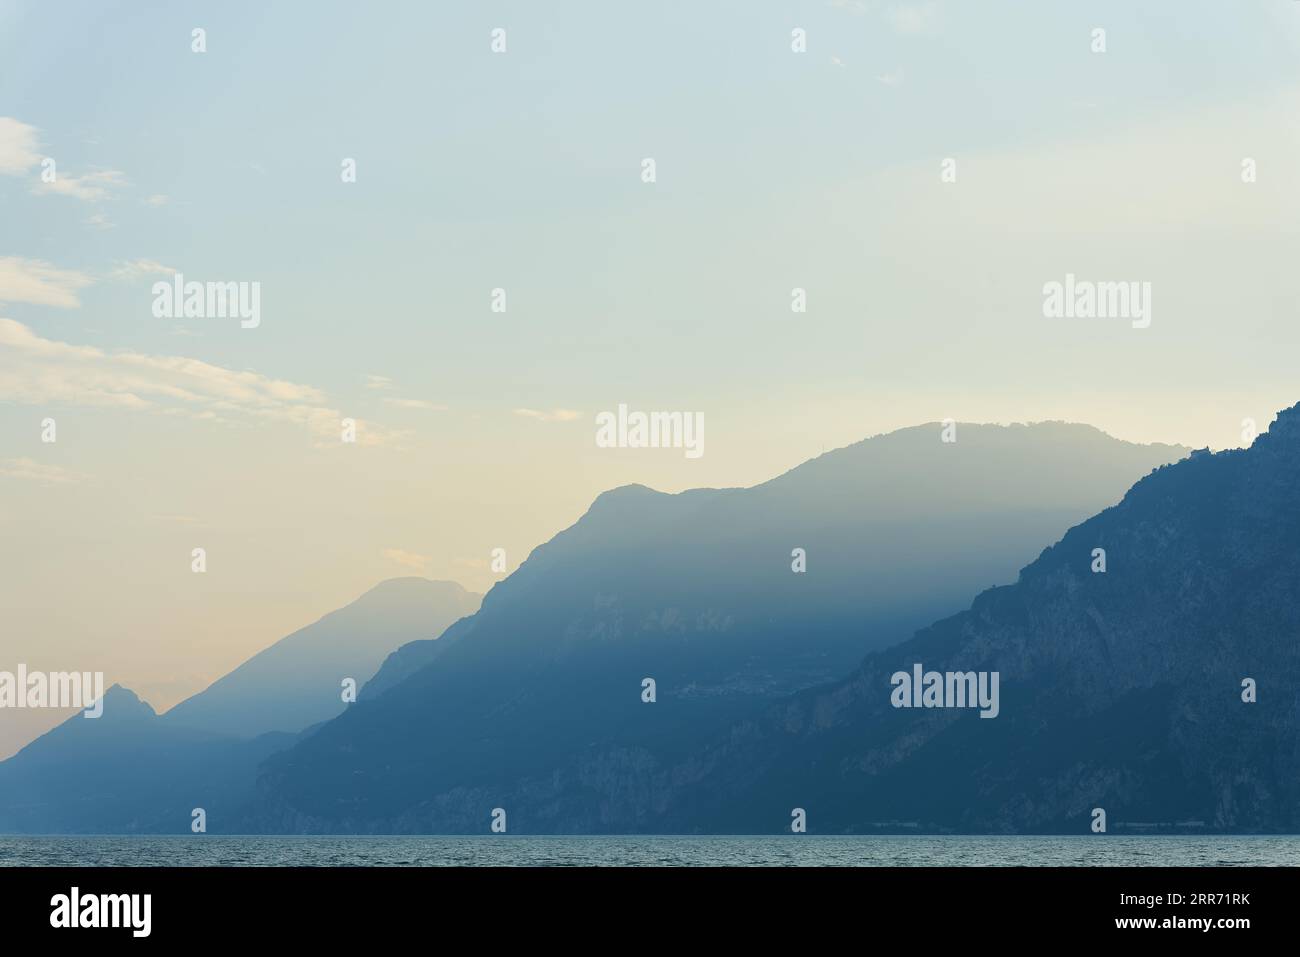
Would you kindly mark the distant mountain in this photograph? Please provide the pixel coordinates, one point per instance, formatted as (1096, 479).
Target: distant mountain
(132, 770)
(897, 529)
(128, 770)
(1120, 690)
(297, 681)
(696, 591)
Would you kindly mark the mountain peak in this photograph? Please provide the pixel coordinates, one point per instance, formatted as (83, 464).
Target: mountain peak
(294, 683)
(410, 585)
(1287, 424)
(124, 701)
(630, 492)
(1143, 625)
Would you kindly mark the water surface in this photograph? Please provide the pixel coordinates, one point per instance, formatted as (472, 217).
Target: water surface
(759, 851)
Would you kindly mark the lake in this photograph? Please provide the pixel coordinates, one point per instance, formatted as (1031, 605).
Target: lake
(731, 851)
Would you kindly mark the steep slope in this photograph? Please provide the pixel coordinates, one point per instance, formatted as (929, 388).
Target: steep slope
(296, 682)
(126, 771)
(132, 770)
(696, 591)
(1120, 690)
(898, 530)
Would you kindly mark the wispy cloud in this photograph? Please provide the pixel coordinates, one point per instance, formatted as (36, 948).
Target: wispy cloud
(414, 404)
(382, 383)
(157, 199)
(550, 415)
(411, 560)
(91, 187)
(40, 283)
(891, 79)
(39, 371)
(20, 154)
(19, 145)
(29, 470)
(136, 269)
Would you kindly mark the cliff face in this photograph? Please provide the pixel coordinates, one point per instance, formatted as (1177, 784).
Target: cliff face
(1121, 690)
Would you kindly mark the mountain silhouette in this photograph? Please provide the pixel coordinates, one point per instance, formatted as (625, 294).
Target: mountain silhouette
(134, 770)
(128, 770)
(697, 592)
(296, 682)
(1124, 690)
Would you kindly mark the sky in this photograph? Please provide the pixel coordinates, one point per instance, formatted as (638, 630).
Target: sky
(522, 170)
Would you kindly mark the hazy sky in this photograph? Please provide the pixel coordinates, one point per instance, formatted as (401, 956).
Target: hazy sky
(522, 170)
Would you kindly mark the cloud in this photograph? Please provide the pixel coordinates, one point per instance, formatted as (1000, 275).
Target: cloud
(99, 221)
(891, 79)
(18, 147)
(552, 415)
(32, 471)
(19, 154)
(40, 283)
(157, 199)
(136, 269)
(39, 371)
(414, 404)
(913, 17)
(384, 383)
(411, 560)
(92, 187)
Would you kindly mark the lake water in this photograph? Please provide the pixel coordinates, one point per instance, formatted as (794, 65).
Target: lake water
(783, 851)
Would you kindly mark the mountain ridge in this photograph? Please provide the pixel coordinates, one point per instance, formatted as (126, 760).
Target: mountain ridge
(296, 681)
(135, 770)
(1118, 689)
(698, 591)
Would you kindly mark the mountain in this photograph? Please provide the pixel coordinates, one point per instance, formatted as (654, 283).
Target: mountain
(297, 681)
(898, 529)
(696, 591)
(1122, 690)
(132, 770)
(128, 770)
